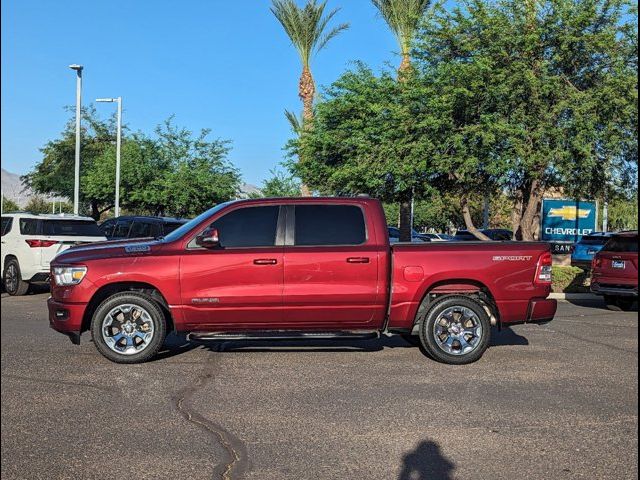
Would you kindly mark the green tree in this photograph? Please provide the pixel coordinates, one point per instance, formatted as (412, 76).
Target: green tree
(9, 205)
(280, 184)
(403, 18)
(53, 175)
(371, 135)
(175, 172)
(623, 213)
(38, 204)
(308, 29)
(199, 175)
(539, 94)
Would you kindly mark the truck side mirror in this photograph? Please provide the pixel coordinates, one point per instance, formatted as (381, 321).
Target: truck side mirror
(208, 239)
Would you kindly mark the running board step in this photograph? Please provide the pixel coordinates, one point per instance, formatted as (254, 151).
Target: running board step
(285, 335)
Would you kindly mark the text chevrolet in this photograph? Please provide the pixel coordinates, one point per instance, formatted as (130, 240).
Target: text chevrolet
(297, 268)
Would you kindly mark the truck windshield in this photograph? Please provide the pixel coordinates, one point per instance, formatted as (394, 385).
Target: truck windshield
(178, 233)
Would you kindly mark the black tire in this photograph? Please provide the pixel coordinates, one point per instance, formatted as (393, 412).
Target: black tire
(14, 286)
(433, 314)
(411, 339)
(619, 304)
(136, 299)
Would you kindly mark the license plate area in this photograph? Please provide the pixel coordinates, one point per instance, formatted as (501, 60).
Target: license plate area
(621, 264)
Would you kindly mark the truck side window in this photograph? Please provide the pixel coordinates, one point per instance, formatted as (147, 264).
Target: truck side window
(107, 227)
(248, 227)
(329, 225)
(141, 229)
(121, 229)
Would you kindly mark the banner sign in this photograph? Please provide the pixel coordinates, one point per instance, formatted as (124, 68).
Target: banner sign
(567, 220)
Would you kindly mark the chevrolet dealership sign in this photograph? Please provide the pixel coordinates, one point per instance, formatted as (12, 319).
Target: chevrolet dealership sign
(567, 220)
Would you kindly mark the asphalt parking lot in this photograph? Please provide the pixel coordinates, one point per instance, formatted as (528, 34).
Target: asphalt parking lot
(558, 401)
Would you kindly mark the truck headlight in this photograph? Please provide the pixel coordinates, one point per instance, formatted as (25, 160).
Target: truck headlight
(65, 276)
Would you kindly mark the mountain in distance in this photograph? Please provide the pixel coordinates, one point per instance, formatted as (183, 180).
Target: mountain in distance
(14, 189)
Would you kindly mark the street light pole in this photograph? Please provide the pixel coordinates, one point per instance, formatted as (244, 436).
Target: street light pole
(117, 100)
(76, 175)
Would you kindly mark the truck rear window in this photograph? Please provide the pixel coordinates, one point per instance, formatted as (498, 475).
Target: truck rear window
(622, 245)
(329, 225)
(70, 228)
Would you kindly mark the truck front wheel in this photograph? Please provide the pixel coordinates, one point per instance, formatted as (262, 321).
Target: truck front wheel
(128, 328)
(455, 330)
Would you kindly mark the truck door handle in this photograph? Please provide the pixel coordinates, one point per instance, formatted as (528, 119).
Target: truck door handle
(265, 261)
(358, 260)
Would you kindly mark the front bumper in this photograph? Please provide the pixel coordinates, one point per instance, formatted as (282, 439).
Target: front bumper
(66, 317)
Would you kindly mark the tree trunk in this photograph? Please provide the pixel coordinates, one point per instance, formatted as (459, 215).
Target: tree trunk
(95, 211)
(405, 219)
(307, 93)
(405, 66)
(468, 220)
(516, 214)
(530, 215)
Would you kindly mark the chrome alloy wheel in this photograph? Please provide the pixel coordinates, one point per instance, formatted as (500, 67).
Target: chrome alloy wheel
(457, 331)
(127, 329)
(11, 278)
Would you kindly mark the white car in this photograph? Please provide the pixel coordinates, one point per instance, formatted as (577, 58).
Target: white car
(30, 242)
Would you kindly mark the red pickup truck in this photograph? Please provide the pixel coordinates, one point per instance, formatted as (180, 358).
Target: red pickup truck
(311, 268)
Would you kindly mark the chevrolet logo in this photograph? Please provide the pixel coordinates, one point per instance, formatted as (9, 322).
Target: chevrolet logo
(569, 212)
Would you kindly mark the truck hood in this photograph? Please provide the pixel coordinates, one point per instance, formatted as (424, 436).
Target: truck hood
(109, 249)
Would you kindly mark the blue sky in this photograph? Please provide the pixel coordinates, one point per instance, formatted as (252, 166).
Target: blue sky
(224, 65)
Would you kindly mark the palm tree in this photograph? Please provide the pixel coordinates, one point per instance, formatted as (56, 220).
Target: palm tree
(403, 18)
(306, 28)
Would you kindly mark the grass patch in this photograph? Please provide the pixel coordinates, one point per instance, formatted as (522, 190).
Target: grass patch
(570, 280)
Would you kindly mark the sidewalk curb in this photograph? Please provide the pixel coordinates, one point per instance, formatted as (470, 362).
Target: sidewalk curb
(574, 296)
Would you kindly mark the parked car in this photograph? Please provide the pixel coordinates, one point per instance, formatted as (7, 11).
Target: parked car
(583, 252)
(139, 227)
(437, 237)
(497, 234)
(297, 268)
(30, 242)
(394, 236)
(615, 271)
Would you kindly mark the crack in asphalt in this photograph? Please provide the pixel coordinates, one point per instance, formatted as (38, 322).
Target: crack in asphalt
(232, 445)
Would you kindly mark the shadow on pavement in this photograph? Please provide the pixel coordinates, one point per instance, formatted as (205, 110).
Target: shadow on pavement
(178, 344)
(336, 345)
(426, 462)
(595, 303)
(506, 336)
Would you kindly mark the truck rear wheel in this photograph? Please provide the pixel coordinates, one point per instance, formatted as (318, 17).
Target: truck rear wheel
(128, 328)
(455, 330)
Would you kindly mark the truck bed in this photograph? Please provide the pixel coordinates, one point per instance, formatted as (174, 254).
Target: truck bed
(505, 271)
